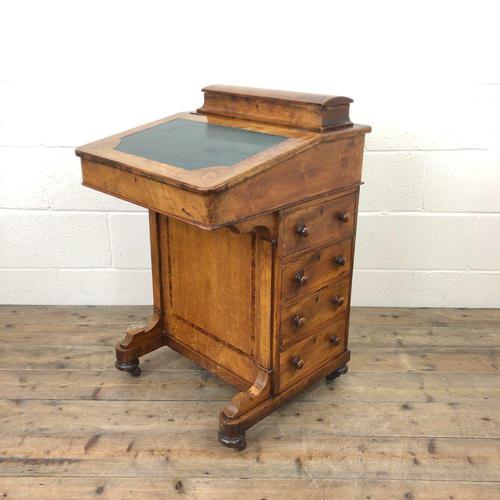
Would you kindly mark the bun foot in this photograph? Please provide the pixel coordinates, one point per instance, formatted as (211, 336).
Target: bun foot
(238, 442)
(132, 367)
(337, 373)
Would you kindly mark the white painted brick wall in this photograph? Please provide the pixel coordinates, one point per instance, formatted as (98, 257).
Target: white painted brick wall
(486, 243)
(105, 286)
(393, 181)
(414, 241)
(465, 181)
(130, 248)
(30, 286)
(45, 239)
(429, 227)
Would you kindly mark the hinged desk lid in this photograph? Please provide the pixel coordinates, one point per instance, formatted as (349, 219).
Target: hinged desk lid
(198, 152)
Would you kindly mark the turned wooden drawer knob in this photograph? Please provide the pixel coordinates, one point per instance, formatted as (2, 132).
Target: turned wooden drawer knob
(303, 231)
(334, 340)
(338, 300)
(297, 363)
(340, 260)
(299, 321)
(301, 278)
(343, 216)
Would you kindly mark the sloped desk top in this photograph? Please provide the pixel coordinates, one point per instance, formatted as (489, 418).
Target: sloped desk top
(154, 149)
(261, 147)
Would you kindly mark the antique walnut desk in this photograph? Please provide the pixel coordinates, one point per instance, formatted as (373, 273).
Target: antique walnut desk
(252, 210)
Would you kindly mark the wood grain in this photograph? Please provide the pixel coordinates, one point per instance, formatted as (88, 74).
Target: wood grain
(298, 418)
(312, 352)
(95, 334)
(318, 266)
(417, 416)
(221, 489)
(352, 457)
(293, 109)
(195, 385)
(390, 360)
(321, 219)
(204, 179)
(301, 177)
(222, 263)
(364, 316)
(317, 309)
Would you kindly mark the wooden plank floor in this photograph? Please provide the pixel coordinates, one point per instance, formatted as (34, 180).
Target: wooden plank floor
(417, 416)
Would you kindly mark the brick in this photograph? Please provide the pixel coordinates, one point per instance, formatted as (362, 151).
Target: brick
(482, 290)
(129, 234)
(429, 119)
(61, 112)
(436, 288)
(382, 288)
(407, 241)
(462, 181)
(47, 239)
(425, 289)
(106, 287)
(23, 178)
(458, 289)
(486, 243)
(393, 181)
(29, 286)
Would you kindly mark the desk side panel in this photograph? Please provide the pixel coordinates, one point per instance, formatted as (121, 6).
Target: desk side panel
(217, 300)
(325, 167)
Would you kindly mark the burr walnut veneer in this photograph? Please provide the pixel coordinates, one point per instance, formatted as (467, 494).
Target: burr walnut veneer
(252, 210)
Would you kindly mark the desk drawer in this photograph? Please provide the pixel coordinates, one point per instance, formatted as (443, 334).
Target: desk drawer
(308, 315)
(316, 268)
(318, 223)
(306, 356)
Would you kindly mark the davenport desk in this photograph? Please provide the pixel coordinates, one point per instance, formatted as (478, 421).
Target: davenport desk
(252, 210)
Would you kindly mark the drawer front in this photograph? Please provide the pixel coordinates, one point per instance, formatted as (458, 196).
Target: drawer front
(305, 357)
(318, 223)
(316, 268)
(305, 317)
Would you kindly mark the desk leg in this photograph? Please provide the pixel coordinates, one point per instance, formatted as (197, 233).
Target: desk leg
(234, 436)
(140, 341)
(136, 343)
(232, 426)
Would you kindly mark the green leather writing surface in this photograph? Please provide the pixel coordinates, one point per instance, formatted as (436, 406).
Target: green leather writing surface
(191, 144)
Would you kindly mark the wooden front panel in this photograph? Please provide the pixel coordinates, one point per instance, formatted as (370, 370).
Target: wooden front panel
(221, 357)
(149, 193)
(217, 286)
(316, 310)
(316, 268)
(318, 222)
(313, 352)
(212, 282)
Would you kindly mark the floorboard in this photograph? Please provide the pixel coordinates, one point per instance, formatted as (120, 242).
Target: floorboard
(417, 416)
